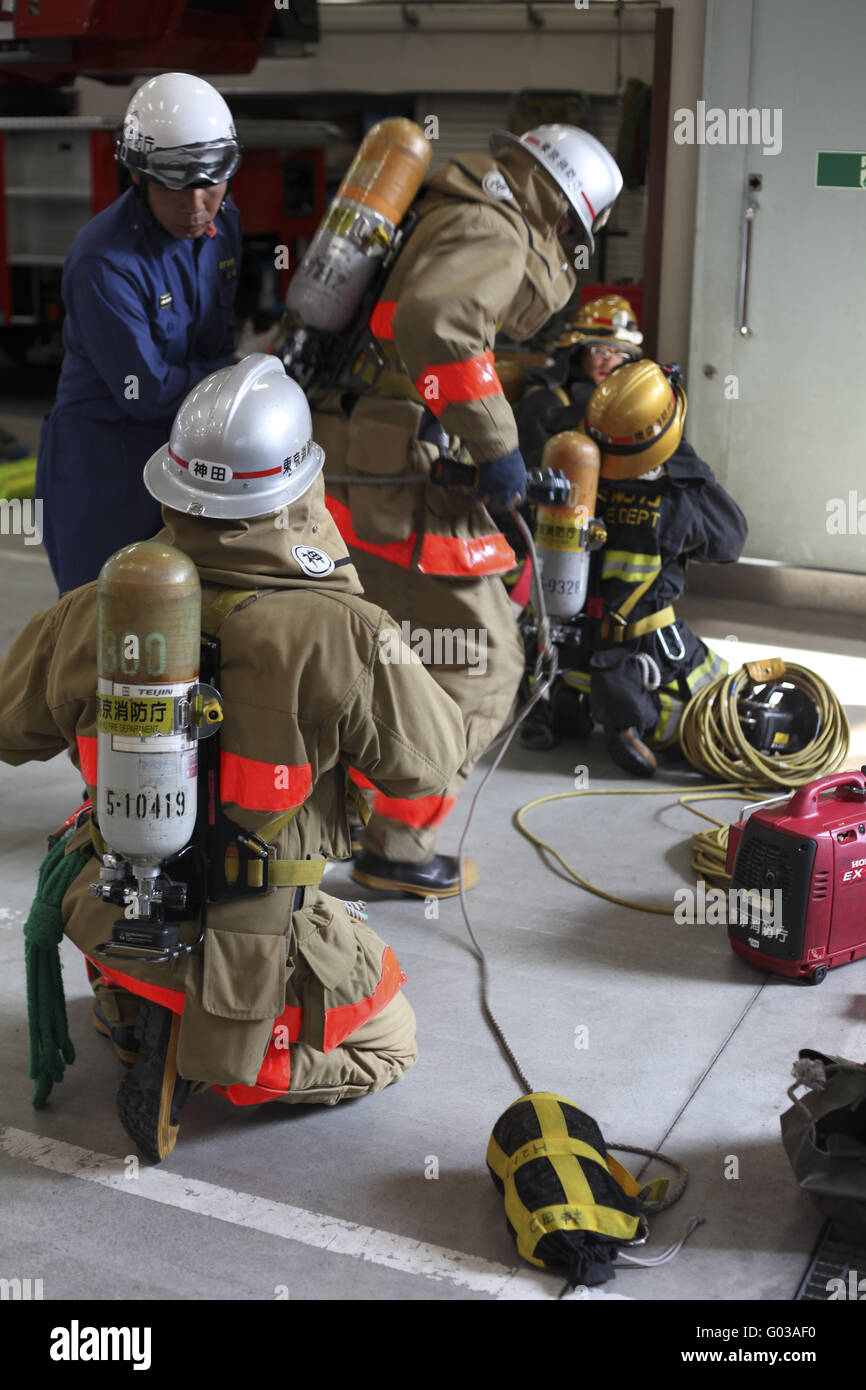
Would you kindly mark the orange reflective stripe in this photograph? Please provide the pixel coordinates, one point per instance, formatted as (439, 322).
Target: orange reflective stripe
(460, 555)
(275, 1073)
(521, 591)
(254, 785)
(382, 320)
(420, 812)
(398, 552)
(345, 1019)
(258, 786)
(469, 380)
(360, 780)
(158, 994)
(87, 745)
(239, 1094)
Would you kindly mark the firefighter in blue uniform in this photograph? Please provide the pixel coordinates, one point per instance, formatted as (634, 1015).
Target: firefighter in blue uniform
(661, 507)
(149, 287)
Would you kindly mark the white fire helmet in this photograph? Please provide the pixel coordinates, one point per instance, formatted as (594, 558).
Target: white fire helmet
(241, 444)
(179, 132)
(586, 172)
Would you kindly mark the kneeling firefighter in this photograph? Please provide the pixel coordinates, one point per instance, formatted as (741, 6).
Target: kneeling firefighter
(660, 506)
(277, 993)
(493, 243)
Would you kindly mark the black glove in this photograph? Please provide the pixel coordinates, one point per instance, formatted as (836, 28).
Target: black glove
(498, 483)
(502, 481)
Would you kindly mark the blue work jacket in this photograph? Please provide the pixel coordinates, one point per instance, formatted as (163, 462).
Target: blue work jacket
(148, 315)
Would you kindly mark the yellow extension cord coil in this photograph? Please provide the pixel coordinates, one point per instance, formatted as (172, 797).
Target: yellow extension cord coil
(711, 734)
(712, 738)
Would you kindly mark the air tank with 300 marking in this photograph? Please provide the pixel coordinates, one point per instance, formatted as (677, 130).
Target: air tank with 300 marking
(149, 619)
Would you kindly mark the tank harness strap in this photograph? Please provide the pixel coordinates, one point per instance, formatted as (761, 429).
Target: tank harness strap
(651, 623)
(215, 614)
(614, 624)
(96, 838)
(358, 800)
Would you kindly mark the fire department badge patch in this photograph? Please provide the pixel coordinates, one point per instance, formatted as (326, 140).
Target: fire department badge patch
(313, 561)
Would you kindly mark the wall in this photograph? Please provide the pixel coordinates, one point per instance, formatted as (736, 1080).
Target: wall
(681, 181)
(457, 50)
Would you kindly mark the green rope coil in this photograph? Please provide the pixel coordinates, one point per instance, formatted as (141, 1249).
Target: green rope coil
(50, 1044)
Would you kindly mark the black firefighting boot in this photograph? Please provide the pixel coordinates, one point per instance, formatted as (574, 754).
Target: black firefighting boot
(536, 731)
(630, 753)
(123, 1038)
(438, 877)
(152, 1094)
(356, 837)
(570, 715)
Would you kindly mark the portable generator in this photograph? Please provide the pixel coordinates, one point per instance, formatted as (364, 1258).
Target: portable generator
(811, 849)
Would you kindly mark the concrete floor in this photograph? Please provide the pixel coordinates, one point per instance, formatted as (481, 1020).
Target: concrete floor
(689, 1050)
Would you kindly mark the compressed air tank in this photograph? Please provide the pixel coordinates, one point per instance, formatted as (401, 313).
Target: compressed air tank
(562, 533)
(359, 225)
(149, 617)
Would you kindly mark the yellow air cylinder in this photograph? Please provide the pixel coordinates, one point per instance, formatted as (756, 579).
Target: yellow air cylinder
(562, 533)
(359, 225)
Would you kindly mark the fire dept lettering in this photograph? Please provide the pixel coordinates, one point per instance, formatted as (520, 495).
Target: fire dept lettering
(632, 509)
(134, 718)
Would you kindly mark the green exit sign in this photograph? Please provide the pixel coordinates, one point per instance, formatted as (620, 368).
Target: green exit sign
(840, 169)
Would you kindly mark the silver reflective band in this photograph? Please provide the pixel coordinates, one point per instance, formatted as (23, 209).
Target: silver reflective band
(185, 165)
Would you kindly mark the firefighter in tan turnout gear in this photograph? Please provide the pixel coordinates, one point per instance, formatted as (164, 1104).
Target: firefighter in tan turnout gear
(290, 998)
(494, 246)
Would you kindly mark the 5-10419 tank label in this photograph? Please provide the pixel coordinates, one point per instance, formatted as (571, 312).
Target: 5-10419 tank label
(147, 804)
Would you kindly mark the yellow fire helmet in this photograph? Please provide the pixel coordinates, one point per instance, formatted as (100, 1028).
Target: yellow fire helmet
(636, 417)
(604, 321)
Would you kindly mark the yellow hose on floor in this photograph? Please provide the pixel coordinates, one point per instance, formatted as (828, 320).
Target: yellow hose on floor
(710, 845)
(712, 738)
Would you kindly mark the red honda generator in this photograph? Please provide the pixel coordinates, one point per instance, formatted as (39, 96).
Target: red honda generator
(811, 849)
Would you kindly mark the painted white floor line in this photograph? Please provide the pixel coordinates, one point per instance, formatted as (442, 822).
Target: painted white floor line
(290, 1223)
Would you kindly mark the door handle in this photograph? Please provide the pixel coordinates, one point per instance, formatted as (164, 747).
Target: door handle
(745, 268)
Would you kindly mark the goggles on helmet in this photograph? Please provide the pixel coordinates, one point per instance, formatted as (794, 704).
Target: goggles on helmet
(188, 165)
(601, 218)
(604, 354)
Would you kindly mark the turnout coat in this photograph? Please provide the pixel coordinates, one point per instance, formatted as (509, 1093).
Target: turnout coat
(306, 696)
(482, 257)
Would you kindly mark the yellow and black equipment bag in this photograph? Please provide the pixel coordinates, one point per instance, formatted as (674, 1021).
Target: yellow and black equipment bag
(568, 1204)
